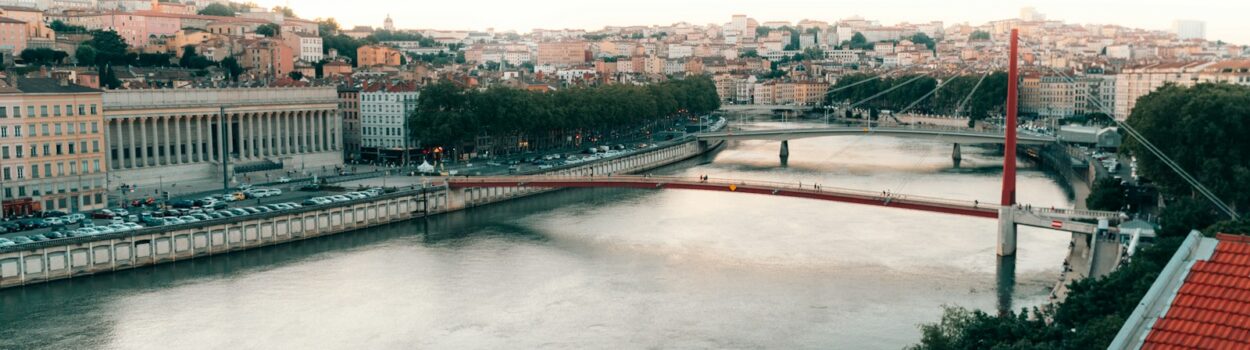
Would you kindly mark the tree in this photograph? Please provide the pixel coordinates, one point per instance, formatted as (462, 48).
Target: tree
(268, 30)
(1202, 129)
(922, 38)
(43, 56)
(217, 9)
(296, 75)
(1106, 194)
(108, 78)
(61, 27)
(327, 26)
(232, 67)
(85, 55)
(285, 11)
(154, 60)
(750, 53)
(192, 60)
(979, 35)
(109, 47)
(857, 42)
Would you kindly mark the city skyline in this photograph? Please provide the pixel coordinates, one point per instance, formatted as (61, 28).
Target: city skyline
(1220, 17)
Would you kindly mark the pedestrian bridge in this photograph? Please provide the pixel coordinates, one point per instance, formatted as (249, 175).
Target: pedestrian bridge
(1053, 218)
(955, 135)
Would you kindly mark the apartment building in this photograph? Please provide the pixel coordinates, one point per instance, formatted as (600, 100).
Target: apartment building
(377, 55)
(562, 53)
(349, 109)
(50, 146)
(384, 108)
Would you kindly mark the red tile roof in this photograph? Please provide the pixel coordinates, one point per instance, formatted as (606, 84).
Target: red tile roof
(1212, 308)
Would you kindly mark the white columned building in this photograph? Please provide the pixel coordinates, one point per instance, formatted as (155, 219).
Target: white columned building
(176, 135)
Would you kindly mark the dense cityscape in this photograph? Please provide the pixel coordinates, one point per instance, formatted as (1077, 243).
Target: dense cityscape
(167, 145)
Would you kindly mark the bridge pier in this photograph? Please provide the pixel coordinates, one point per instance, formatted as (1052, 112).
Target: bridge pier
(785, 152)
(957, 155)
(1007, 231)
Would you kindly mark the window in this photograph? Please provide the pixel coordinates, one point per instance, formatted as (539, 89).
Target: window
(30, 111)
(95, 146)
(69, 110)
(47, 149)
(6, 174)
(47, 171)
(60, 169)
(4, 152)
(56, 111)
(92, 109)
(33, 151)
(82, 109)
(34, 171)
(4, 112)
(17, 152)
(30, 130)
(95, 126)
(59, 151)
(4, 131)
(44, 126)
(82, 128)
(71, 148)
(56, 126)
(95, 164)
(17, 111)
(84, 166)
(43, 111)
(21, 172)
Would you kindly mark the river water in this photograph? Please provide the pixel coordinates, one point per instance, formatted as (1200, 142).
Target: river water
(596, 269)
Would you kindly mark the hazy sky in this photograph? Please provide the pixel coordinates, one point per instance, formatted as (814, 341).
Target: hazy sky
(1226, 19)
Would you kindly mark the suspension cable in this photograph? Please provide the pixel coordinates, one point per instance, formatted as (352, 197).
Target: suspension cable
(960, 107)
(1197, 185)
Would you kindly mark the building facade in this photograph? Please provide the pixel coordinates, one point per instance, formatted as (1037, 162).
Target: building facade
(377, 55)
(173, 135)
(383, 121)
(562, 53)
(51, 141)
(349, 109)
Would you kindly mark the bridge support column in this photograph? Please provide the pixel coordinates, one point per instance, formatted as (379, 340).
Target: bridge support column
(785, 152)
(957, 155)
(1007, 231)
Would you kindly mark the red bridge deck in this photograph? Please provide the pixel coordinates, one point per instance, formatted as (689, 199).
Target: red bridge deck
(891, 200)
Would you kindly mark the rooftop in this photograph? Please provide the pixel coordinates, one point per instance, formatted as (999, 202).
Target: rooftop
(48, 86)
(1201, 300)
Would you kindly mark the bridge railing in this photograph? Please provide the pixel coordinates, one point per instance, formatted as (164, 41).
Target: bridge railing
(770, 185)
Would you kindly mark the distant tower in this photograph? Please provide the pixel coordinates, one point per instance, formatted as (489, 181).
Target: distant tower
(1189, 29)
(389, 25)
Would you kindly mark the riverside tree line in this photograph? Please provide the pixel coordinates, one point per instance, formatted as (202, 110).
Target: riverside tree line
(449, 116)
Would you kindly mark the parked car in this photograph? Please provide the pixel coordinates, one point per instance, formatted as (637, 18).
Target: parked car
(54, 221)
(188, 219)
(133, 226)
(31, 224)
(122, 212)
(22, 240)
(37, 237)
(355, 195)
(284, 179)
(104, 214)
(11, 226)
(55, 235)
(339, 198)
(153, 221)
(74, 218)
(182, 204)
(54, 214)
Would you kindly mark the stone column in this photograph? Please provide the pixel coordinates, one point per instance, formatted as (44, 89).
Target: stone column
(227, 148)
(130, 136)
(283, 131)
(178, 139)
(254, 128)
(143, 141)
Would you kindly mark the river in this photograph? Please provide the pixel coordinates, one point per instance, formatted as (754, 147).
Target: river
(599, 269)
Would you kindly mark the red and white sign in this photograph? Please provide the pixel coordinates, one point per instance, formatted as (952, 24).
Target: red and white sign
(1056, 224)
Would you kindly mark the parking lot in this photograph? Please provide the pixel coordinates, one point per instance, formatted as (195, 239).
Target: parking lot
(194, 203)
